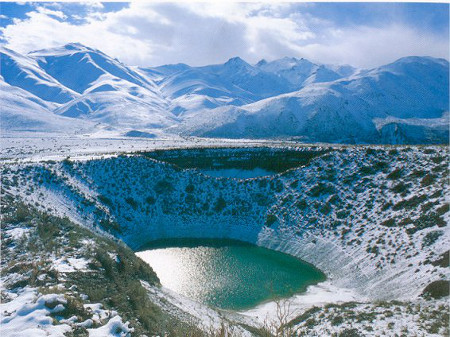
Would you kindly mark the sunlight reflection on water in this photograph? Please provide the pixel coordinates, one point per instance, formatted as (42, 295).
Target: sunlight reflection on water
(230, 277)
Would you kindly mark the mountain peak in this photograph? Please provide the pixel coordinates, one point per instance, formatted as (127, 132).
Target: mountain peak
(76, 46)
(261, 63)
(69, 48)
(420, 59)
(287, 58)
(411, 64)
(408, 59)
(236, 62)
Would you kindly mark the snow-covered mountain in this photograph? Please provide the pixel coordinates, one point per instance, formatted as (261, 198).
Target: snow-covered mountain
(110, 92)
(25, 72)
(79, 82)
(403, 102)
(233, 83)
(22, 111)
(299, 72)
(236, 82)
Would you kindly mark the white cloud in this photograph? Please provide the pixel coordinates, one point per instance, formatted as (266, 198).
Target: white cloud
(92, 4)
(369, 46)
(50, 12)
(204, 33)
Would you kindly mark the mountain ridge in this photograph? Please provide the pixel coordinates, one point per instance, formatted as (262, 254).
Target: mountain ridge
(405, 101)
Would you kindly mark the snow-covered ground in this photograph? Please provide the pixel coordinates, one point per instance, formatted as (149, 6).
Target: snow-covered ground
(374, 219)
(37, 147)
(28, 314)
(37, 298)
(317, 295)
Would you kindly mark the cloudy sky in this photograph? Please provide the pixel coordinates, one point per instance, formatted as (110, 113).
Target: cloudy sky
(150, 34)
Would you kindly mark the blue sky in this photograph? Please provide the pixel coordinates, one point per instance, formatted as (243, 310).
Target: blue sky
(148, 34)
(426, 16)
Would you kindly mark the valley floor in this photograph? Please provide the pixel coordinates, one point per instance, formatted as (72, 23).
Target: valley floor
(37, 147)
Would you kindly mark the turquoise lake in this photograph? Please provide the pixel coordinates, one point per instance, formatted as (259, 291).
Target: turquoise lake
(228, 274)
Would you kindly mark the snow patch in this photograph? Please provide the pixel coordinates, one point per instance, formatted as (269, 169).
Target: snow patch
(114, 328)
(317, 295)
(70, 264)
(28, 315)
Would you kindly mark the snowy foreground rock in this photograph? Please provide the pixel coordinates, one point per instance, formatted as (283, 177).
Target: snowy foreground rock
(373, 219)
(78, 90)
